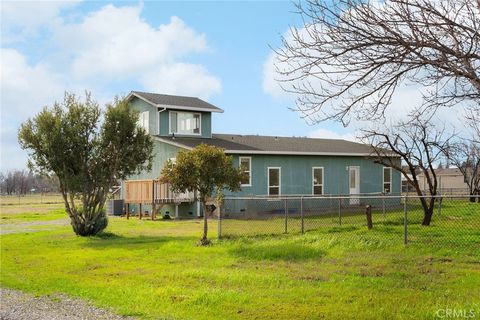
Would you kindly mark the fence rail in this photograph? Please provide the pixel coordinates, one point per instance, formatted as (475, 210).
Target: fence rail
(455, 218)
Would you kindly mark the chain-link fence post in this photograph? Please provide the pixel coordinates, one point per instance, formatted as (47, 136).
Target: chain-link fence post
(286, 215)
(340, 211)
(439, 199)
(383, 203)
(301, 215)
(405, 222)
(219, 221)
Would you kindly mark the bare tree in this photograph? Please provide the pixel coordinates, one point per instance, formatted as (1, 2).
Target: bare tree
(351, 56)
(465, 155)
(10, 183)
(22, 181)
(420, 146)
(2, 183)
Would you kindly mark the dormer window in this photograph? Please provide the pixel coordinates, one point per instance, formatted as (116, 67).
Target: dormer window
(187, 123)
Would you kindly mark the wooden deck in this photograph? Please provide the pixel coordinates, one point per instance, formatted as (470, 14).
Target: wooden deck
(152, 191)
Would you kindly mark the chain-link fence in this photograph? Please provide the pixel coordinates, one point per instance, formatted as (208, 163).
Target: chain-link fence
(454, 219)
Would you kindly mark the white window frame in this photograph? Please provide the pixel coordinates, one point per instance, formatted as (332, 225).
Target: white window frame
(279, 181)
(144, 120)
(184, 134)
(383, 180)
(249, 170)
(322, 184)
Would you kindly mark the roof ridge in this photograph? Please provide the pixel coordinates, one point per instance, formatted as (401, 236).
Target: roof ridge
(285, 137)
(166, 94)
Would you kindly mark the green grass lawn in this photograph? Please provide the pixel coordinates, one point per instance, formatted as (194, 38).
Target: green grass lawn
(155, 270)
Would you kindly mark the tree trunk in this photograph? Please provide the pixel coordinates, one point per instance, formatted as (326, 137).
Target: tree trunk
(91, 220)
(204, 241)
(427, 217)
(427, 210)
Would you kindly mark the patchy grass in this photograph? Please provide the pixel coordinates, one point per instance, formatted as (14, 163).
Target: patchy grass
(17, 217)
(155, 270)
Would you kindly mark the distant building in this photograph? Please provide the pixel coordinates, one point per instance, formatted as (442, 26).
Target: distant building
(450, 180)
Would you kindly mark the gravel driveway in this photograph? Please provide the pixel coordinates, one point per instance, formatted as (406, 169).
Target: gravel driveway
(16, 305)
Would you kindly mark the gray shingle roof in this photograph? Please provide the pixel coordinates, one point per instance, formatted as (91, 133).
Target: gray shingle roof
(178, 102)
(254, 144)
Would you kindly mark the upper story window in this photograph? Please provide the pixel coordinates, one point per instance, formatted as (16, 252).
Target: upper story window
(246, 167)
(185, 122)
(387, 180)
(317, 180)
(143, 120)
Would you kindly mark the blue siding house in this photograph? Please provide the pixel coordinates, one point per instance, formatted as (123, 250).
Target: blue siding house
(275, 165)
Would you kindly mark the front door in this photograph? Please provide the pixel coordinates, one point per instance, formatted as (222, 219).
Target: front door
(354, 184)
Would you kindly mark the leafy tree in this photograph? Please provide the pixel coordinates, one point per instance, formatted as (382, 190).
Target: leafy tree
(87, 156)
(205, 169)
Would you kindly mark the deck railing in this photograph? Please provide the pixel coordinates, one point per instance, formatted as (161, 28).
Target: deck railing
(164, 194)
(153, 191)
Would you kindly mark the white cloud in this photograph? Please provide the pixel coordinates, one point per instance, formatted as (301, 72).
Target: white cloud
(21, 19)
(270, 84)
(329, 134)
(182, 79)
(115, 42)
(26, 88)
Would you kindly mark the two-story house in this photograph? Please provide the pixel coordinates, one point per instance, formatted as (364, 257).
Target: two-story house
(274, 165)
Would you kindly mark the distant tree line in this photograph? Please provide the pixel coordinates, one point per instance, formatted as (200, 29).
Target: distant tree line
(21, 182)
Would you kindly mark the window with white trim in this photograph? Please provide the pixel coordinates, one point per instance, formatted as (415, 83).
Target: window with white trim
(387, 180)
(185, 122)
(317, 180)
(245, 164)
(143, 120)
(274, 181)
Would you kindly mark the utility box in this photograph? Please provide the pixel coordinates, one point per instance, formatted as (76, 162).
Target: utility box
(115, 207)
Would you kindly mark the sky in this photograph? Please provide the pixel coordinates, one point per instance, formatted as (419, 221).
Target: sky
(218, 51)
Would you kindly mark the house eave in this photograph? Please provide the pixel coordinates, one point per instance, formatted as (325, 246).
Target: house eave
(299, 153)
(133, 94)
(173, 143)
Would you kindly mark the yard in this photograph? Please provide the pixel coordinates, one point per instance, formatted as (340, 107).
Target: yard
(154, 270)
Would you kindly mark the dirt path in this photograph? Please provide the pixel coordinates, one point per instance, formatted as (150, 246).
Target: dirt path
(16, 305)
